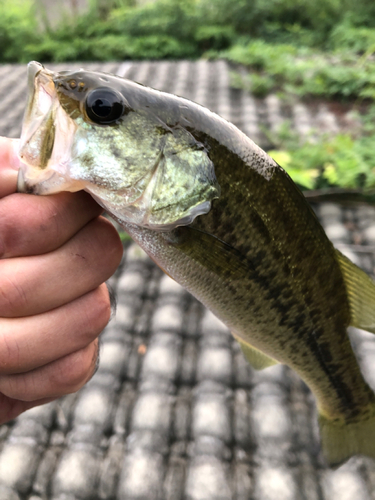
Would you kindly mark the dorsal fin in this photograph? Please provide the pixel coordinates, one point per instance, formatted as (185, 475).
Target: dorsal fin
(361, 294)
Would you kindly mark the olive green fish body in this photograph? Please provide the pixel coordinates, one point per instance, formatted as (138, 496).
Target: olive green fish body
(218, 215)
(270, 273)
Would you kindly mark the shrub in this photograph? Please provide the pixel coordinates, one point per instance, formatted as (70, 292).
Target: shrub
(188, 28)
(340, 161)
(18, 27)
(305, 72)
(171, 18)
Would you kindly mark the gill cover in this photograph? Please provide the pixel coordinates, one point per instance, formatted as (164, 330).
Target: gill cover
(180, 187)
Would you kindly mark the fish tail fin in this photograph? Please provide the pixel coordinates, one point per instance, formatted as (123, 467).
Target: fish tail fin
(341, 440)
(361, 294)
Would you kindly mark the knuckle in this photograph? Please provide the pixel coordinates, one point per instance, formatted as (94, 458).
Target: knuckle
(18, 216)
(103, 306)
(110, 245)
(91, 318)
(64, 206)
(98, 312)
(76, 369)
(8, 229)
(64, 376)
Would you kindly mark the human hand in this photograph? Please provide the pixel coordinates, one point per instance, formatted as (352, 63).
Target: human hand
(55, 253)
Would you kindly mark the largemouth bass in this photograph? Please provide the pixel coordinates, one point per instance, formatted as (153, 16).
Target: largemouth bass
(219, 216)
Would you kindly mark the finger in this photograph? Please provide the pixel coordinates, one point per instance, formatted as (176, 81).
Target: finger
(29, 343)
(31, 225)
(33, 285)
(64, 376)
(10, 408)
(9, 165)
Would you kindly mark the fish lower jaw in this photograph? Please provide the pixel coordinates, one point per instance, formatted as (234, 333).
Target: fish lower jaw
(53, 183)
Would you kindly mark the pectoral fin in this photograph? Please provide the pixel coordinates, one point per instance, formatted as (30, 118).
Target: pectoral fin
(361, 294)
(222, 259)
(257, 359)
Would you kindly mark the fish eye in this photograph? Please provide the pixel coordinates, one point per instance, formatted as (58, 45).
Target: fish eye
(104, 106)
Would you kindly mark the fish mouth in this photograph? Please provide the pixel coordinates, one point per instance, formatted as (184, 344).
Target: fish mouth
(41, 94)
(46, 135)
(22, 186)
(35, 130)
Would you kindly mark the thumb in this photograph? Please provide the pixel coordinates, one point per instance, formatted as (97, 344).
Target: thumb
(9, 165)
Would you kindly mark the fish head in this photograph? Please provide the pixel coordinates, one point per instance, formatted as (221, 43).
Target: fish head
(125, 144)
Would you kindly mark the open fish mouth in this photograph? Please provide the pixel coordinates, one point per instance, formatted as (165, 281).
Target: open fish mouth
(21, 184)
(41, 95)
(46, 135)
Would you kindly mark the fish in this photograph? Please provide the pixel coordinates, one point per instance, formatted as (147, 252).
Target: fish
(220, 217)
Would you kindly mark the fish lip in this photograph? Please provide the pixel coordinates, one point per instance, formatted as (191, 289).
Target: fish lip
(21, 184)
(33, 68)
(24, 185)
(41, 95)
(41, 104)
(38, 76)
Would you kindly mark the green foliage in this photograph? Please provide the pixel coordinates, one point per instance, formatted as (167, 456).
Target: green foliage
(305, 72)
(261, 33)
(163, 17)
(358, 39)
(124, 237)
(160, 30)
(258, 84)
(18, 27)
(214, 38)
(262, 18)
(305, 177)
(109, 47)
(340, 161)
